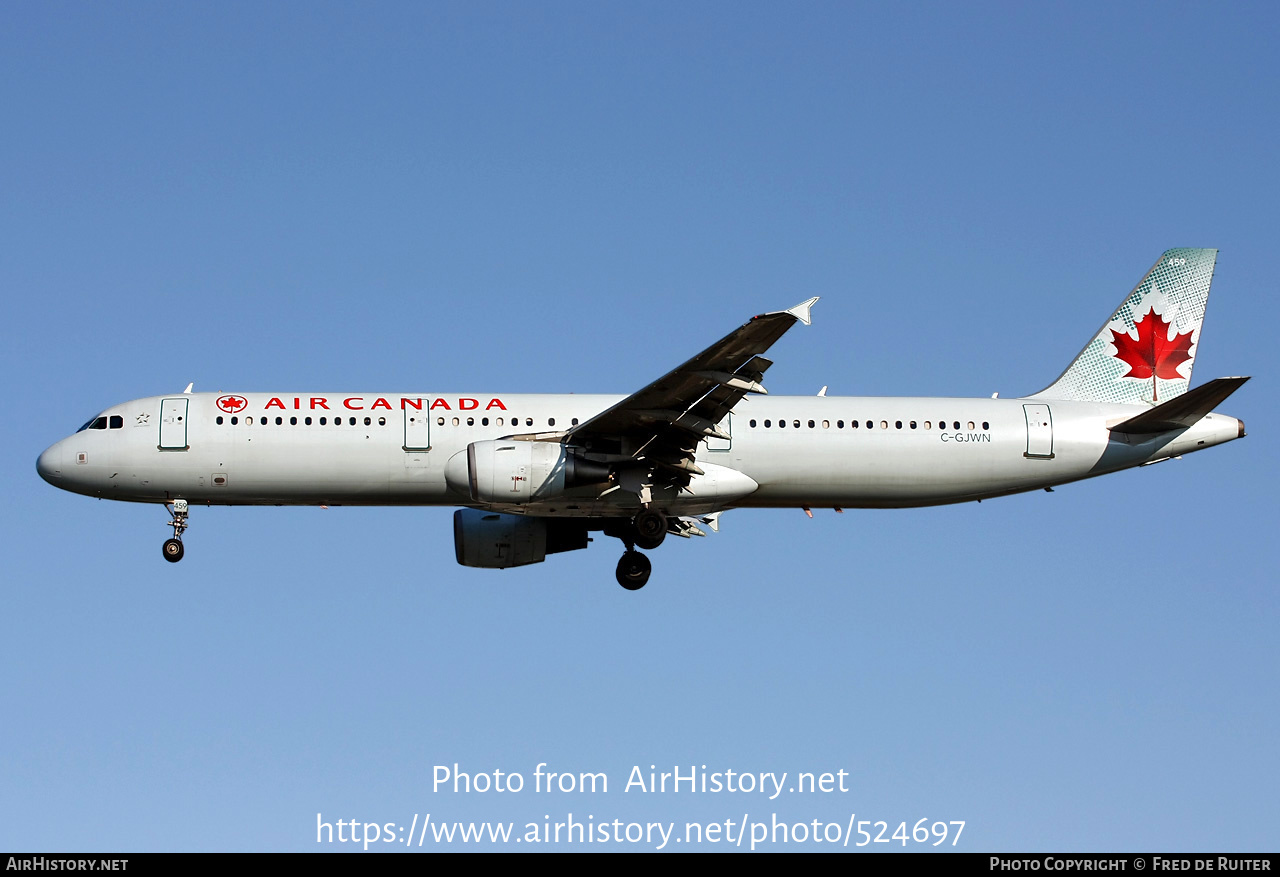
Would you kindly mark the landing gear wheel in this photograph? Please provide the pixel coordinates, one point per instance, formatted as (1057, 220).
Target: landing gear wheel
(173, 549)
(650, 527)
(633, 570)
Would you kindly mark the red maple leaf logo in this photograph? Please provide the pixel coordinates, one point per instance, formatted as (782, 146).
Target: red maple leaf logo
(231, 404)
(1153, 355)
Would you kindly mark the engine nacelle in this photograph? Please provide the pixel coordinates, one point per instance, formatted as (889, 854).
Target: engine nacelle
(519, 471)
(494, 541)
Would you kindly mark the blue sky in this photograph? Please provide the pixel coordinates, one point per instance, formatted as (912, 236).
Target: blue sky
(575, 197)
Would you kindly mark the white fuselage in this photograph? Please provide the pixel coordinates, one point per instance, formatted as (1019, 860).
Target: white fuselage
(393, 449)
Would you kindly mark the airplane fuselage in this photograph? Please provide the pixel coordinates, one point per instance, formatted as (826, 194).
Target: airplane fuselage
(393, 449)
(536, 473)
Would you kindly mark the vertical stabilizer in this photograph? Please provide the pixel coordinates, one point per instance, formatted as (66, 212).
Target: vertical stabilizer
(1146, 351)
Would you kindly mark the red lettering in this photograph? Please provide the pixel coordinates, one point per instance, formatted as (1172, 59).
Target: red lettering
(380, 403)
(416, 403)
(463, 406)
(495, 403)
(440, 403)
(274, 403)
(296, 403)
(346, 403)
(319, 402)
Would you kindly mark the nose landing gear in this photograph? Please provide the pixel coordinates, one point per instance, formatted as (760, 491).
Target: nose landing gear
(172, 548)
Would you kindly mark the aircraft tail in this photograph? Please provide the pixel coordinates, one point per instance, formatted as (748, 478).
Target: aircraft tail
(1146, 351)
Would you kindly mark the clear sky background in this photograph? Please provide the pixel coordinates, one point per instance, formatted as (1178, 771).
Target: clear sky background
(556, 197)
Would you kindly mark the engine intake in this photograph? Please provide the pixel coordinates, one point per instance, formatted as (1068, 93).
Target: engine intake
(519, 471)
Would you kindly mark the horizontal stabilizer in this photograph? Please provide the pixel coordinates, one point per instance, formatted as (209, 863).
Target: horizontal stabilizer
(1181, 412)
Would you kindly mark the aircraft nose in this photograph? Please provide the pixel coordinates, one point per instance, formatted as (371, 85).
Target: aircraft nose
(49, 464)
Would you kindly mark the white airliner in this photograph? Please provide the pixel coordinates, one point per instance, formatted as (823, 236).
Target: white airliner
(538, 473)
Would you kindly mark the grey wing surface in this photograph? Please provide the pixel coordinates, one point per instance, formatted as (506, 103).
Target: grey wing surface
(660, 426)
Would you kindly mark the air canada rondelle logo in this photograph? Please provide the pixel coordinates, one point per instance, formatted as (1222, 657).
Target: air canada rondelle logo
(232, 404)
(1154, 352)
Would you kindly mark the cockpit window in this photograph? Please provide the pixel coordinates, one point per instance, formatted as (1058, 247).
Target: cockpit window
(116, 421)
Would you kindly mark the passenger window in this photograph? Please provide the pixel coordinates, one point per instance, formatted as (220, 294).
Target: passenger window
(471, 421)
(913, 424)
(955, 425)
(811, 424)
(574, 422)
(826, 424)
(499, 421)
(782, 424)
(871, 424)
(970, 424)
(382, 421)
(235, 421)
(351, 421)
(368, 421)
(767, 424)
(439, 421)
(897, 424)
(484, 421)
(456, 422)
(307, 421)
(528, 421)
(219, 420)
(753, 424)
(928, 425)
(324, 421)
(264, 421)
(884, 424)
(279, 421)
(985, 426)
(293, 421)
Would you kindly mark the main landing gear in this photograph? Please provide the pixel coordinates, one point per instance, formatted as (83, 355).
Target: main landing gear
(646, 530)
(633, 570)
(173, 549)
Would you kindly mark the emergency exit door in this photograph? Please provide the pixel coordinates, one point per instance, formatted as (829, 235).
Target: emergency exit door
(417, 436)
(714, 443)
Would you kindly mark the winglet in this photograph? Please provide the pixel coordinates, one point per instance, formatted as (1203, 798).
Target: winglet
(801, 311)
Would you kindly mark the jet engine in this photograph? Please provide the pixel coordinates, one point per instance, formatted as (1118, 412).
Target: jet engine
(494, 541)
(519, 471)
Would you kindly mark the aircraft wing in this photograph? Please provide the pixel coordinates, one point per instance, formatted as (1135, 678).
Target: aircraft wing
(662, 424)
